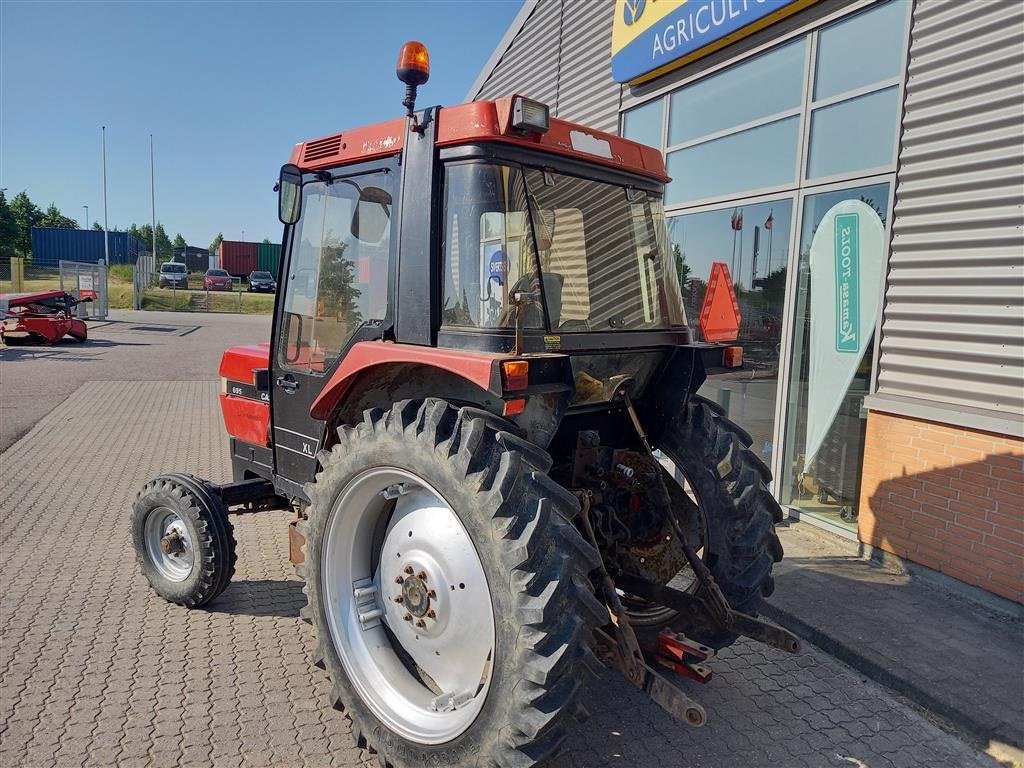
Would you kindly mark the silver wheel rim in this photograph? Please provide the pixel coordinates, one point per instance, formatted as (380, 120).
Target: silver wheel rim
(423, 664)
(165, 525)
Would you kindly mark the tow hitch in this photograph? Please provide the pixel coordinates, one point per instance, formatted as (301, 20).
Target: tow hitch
(740, 623)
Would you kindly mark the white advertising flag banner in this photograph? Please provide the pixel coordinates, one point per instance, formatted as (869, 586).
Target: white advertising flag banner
(846, 272)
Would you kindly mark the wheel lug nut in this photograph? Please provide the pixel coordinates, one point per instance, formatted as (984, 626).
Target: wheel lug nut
(408, 617)
(431, 614)
(432, 595)
(422, 575)
(421, 623)
(409, 570)
(399, 599)
(399, 580)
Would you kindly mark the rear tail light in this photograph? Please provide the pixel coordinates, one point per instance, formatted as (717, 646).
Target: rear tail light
(515, 374)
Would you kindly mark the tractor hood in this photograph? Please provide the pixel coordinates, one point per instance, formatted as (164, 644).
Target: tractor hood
(240, 363)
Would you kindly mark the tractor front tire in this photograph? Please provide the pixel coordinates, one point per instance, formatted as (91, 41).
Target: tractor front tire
(458, 495)
(183, 540)
(740, 513)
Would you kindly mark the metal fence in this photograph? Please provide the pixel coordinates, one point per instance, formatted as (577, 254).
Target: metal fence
(86, 281)
(195, 296)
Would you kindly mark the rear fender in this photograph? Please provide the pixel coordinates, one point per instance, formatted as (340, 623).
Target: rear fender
(376, 375)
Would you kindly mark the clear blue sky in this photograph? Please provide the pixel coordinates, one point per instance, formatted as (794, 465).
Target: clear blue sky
(225, 88)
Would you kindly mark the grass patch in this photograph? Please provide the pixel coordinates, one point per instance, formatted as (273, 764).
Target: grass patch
(251, 304)
(33, 285)
(120, 272)
(165, 300)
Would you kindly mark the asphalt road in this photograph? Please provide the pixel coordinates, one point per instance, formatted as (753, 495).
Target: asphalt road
(130, 346)
(96, 670)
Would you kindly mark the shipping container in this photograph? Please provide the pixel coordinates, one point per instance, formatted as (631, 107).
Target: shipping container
(51, 245)
(269, 257)
(196, 259)
(238, 258)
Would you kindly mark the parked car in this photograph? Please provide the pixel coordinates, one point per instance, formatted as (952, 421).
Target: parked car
(173, 274)
(217, 280)
(262, 282)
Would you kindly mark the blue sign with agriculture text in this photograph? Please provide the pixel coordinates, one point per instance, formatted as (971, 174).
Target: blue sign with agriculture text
(652, 36)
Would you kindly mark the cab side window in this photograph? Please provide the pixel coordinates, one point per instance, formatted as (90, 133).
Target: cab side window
(338, 268)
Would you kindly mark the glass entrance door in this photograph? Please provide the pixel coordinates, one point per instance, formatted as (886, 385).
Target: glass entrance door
(840, 265)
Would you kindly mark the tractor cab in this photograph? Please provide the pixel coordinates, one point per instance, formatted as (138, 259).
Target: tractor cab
(516, 259)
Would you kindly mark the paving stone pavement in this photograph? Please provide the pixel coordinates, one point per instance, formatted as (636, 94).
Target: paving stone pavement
(96, 670)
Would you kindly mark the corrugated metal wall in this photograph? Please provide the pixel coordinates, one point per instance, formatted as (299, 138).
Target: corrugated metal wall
(953, 328)
(562, 56)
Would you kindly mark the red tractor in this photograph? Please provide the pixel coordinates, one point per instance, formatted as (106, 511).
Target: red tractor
(480, 400)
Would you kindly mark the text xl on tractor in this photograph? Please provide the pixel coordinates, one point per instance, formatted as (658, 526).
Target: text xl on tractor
(479, 398)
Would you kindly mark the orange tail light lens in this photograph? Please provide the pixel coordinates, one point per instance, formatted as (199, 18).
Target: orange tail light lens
(413, 67)
(515, 374)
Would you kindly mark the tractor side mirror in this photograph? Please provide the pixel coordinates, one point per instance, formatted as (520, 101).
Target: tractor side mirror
(289, 194)
(372, 215)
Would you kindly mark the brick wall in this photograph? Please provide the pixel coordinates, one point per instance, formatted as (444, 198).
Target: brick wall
(946, 497)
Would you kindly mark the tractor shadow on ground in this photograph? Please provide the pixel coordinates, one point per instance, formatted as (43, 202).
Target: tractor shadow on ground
(67, 350)
(261, 597)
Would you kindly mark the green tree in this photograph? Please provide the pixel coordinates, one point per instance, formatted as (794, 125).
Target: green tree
(215, 245)
(54, 218)
(266, 241)
(682, 268)
(26, 215)
(163, 242)
(97, 227)
(774, 287)
(179, 241)
(145, 234)
(337, 287)
(8, 228)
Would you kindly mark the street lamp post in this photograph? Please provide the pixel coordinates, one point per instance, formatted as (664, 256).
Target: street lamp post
(106, 237)
(86, 216)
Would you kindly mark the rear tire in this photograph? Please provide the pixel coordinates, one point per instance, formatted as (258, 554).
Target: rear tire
(200, 539)
(536, 567)
(730, 483)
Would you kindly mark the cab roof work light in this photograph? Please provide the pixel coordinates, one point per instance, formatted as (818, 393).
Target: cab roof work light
(529, 115)
(413, 69)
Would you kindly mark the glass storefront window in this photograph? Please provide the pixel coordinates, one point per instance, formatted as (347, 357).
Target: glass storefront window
(754, 159)
(861, 50)
(854, 135)
(756, 255)
(643, 124)
(759, 88)
(830, 369)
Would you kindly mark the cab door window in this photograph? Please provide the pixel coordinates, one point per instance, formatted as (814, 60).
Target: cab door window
(338, 269)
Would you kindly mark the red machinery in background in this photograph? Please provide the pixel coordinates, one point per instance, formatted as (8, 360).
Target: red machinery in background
(45, 317)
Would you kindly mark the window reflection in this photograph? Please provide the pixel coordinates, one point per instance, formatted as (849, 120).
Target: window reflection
(760, 157)
(756, 254)
(854, 135)
(826, 484)
(764, 86)
(643, 124)
(865, 49)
